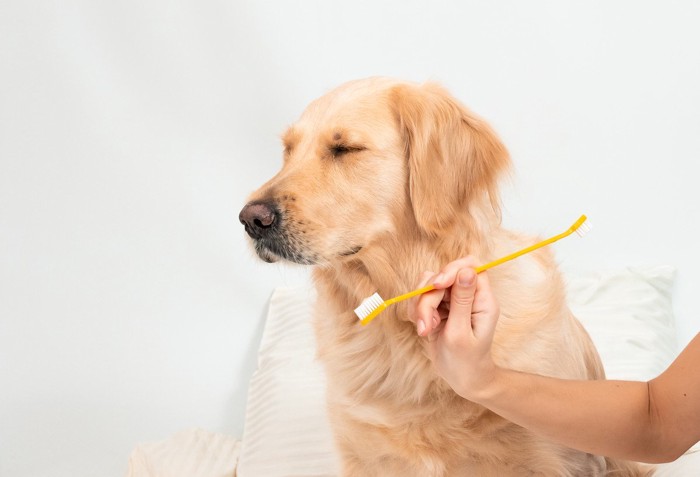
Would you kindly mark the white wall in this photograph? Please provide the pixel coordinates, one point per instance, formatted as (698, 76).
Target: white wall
(131, 133)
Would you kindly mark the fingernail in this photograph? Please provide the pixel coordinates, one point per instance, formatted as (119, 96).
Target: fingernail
(438, 280)
(466, 278)
(421, 327)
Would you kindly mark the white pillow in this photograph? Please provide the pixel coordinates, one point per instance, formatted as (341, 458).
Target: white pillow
(286, 426)
(628, 314)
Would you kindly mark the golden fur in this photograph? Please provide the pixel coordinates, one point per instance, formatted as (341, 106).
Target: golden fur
(383, 180)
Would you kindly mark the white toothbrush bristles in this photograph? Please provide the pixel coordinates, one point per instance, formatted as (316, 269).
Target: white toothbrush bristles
(584, 228)
(368, 305)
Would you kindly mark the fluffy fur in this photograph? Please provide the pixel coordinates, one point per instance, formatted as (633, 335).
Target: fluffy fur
(383, 180)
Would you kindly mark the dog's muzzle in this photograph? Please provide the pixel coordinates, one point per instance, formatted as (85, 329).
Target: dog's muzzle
(264, 223)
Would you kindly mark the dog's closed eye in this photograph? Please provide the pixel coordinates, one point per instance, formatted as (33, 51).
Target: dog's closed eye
(341, 149)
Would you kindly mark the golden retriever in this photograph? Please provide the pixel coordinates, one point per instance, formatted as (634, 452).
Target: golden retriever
(381, 181)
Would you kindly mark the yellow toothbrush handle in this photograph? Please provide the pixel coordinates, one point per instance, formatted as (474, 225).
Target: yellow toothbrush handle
(411, 294)
(496, 262)
(519, 253)
(541, 244)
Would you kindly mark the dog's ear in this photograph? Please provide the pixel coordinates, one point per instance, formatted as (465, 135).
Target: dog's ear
(454, 158)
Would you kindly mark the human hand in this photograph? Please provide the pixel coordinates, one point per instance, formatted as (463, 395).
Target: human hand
(458, 319)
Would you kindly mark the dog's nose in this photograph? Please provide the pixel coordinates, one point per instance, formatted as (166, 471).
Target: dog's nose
(259, 218)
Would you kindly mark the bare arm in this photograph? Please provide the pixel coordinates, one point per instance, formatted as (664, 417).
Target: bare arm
(652, 422)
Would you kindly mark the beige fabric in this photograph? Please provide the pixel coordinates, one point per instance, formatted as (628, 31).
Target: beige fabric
(286, 425)
(191, 453)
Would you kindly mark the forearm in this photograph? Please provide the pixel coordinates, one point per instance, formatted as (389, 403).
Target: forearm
(609, 418)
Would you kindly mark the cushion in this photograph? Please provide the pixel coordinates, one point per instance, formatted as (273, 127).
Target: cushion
(286, 425)
(190, 453)
(628, 314)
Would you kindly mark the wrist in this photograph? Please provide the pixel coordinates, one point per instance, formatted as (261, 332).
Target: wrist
(482, 390)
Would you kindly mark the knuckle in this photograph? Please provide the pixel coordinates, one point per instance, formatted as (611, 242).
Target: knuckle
(462, 299)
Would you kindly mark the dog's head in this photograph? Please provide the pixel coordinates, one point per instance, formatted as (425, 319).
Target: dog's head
(370, 158)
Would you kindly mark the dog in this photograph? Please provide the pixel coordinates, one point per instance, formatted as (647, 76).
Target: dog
(383, 180)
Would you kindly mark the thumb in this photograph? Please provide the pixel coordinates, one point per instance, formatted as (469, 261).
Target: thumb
(462, 302)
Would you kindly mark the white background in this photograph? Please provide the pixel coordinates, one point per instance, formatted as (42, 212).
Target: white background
(132, 131)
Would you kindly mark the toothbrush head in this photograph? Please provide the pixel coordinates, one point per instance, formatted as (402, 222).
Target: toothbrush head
(369, 308)
(582, 226)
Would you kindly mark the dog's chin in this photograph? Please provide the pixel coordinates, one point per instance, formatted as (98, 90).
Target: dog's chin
(274, 252)
(265, 255)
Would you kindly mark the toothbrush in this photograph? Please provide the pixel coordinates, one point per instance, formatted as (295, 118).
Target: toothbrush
(374, 305)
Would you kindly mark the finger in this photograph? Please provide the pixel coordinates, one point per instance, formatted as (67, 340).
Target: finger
(461, 303)
(426, 316)
(435, 333)
(448, 274)
(486, 310)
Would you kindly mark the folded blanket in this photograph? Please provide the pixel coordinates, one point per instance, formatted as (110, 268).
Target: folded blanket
(191, 453)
